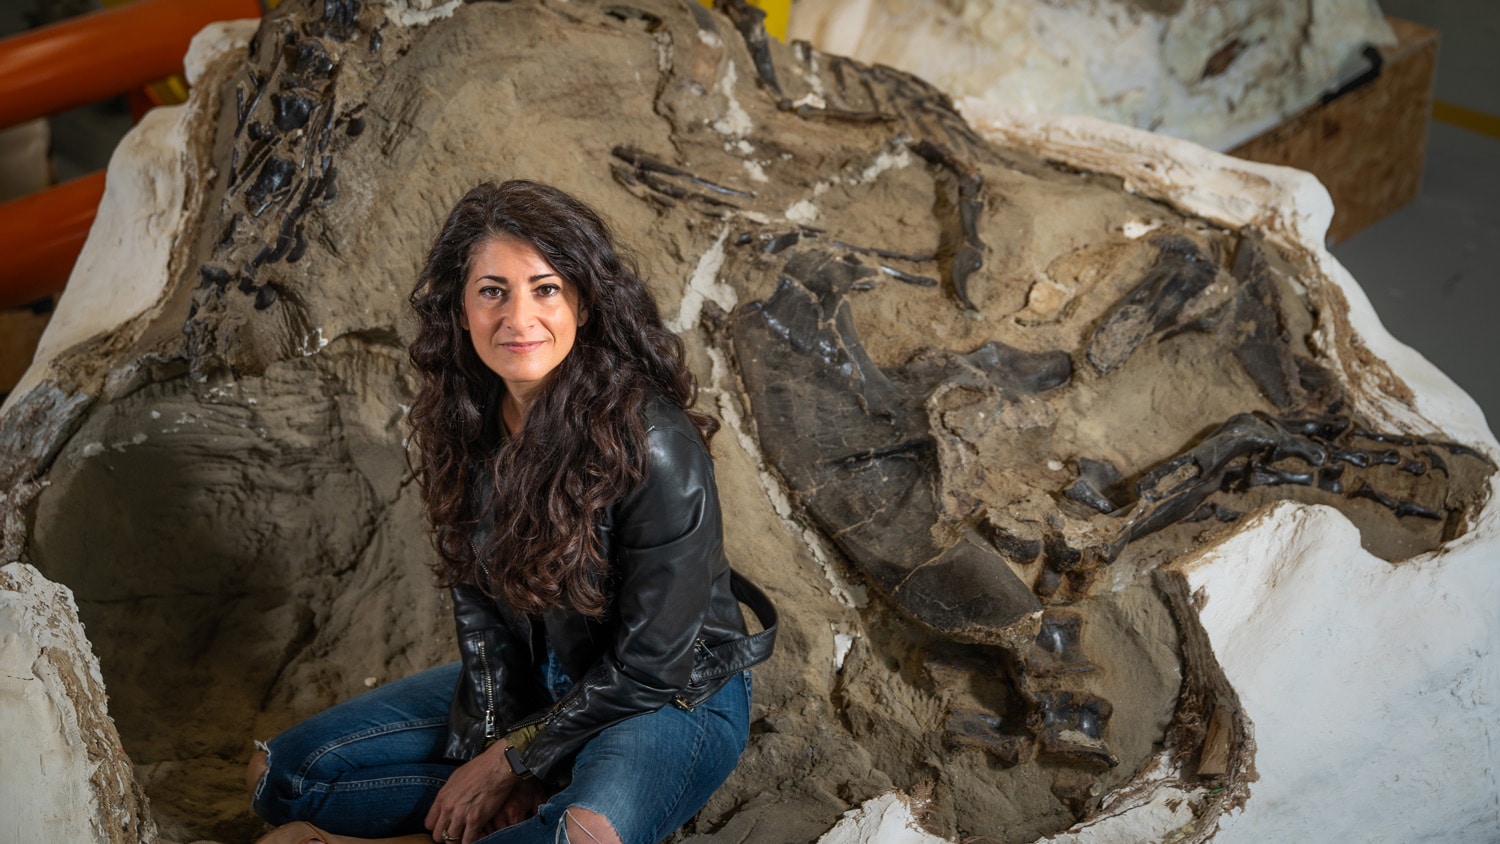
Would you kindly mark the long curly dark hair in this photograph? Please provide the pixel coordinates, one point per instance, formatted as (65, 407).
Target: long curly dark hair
(583, 445)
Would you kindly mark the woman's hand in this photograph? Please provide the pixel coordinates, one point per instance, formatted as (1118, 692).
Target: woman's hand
(522, 803)
(469, 806)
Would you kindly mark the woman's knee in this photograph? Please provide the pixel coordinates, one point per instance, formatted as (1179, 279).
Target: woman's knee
(255, 772)
(585, 826)
(273, 795)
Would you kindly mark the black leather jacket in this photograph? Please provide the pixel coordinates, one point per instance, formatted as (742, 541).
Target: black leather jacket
(672, 634)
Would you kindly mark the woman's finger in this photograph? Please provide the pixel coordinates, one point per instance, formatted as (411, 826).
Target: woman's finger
(435, 817)
(441, 821)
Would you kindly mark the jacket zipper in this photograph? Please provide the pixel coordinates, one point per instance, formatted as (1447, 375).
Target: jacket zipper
(490, 733)
(700, 647)
(489, 693)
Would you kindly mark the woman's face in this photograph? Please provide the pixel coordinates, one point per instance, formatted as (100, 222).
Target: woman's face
(522, 317)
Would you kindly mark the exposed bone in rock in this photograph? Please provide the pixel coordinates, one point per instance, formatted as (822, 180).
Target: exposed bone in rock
(1181, 275)
(1245, 452)
(1073, 728)
(1058, 648)
(856, 445)
(220, 475)
(1097, 485)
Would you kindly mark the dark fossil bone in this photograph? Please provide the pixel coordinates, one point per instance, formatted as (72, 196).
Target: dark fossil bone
(340, 19)
(1244, 453)
(1253, 328)
(282, 157)
(310, 59)
(667, 180)
(985, 731)
(1058, 648)
(1179, 293)
(751, 23)
(1073, 727)
(966, 252)
(273, 182)
(1400, 508)
(1179, 277)
(1096, 486)
(853, 444)
(938, 134)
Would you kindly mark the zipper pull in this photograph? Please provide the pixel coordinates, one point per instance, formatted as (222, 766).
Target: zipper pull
(489, 723)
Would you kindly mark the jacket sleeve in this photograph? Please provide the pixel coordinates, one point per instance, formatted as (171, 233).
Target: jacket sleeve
(667, 547)
(495, 688)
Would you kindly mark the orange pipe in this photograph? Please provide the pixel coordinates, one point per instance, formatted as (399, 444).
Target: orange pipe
(41, 236)
(86, 59)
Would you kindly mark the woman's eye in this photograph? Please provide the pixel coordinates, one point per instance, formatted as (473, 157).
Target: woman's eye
(548, 290)
(490, 292)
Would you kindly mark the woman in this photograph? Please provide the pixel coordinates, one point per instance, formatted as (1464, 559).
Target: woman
(576, 516)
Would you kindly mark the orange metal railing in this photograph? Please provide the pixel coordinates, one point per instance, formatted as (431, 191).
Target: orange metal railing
(87, 59)
(66, 65)
(41, 236)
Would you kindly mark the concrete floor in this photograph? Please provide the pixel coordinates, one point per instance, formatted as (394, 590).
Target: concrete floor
(1432, 269)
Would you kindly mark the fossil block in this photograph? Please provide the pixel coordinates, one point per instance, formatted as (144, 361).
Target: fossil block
(929, 470)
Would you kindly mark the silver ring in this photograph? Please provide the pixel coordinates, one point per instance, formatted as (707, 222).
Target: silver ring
(447, 837)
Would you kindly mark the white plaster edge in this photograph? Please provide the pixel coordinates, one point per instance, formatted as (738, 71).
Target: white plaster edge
(1154, 806)
(1372, 688)
(52, 692)
(213, 41)
(125, 265)
(703, 286)
(1229, 191)
(412, 13)
(735, 122)
(123, 268)
(889, 818)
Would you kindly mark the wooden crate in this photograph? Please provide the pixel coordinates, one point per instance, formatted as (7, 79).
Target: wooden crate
(1365, 146)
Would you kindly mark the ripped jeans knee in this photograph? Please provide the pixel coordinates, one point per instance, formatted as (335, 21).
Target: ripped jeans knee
(368, 767)
(591, 828)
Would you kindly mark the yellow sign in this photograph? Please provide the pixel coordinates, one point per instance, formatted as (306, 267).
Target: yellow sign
(777, 14)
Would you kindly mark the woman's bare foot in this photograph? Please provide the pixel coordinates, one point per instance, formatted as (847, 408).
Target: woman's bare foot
(296, 832)
(301, 832)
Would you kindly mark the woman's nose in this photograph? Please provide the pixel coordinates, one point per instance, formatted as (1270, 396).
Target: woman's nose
(519, 312)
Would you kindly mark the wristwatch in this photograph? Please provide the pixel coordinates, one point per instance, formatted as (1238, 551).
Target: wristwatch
(513, 756)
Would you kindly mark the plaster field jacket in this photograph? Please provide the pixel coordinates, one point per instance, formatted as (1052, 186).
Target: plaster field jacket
(672, 635)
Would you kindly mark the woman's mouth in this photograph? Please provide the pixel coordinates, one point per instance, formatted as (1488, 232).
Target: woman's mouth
(521, 348)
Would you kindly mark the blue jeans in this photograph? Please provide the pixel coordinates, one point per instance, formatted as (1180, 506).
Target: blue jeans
(371, 766)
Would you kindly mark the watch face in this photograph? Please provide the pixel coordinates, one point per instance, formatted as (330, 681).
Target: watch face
(517, 767)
